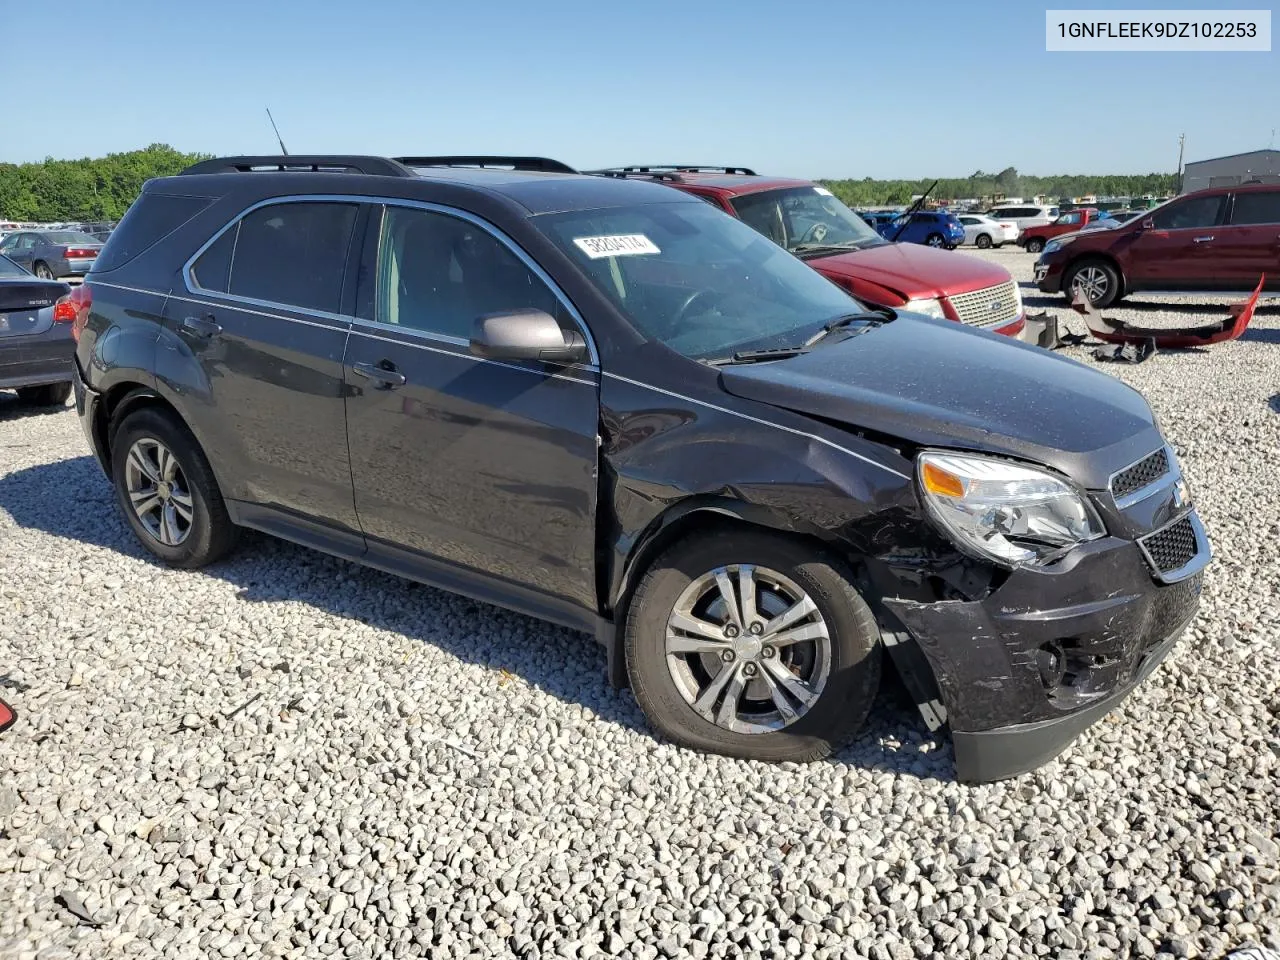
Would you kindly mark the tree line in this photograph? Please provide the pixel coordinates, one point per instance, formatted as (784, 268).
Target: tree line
(1006, 183)
(99, 188)
(102, 188)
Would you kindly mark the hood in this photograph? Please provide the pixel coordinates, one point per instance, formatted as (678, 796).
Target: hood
(938, 383)
(913, 270)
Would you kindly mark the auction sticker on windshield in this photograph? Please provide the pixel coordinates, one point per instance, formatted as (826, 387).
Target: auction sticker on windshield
(617, 245)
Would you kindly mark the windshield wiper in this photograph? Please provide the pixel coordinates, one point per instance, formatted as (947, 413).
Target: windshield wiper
(839, 323)
(755, 356)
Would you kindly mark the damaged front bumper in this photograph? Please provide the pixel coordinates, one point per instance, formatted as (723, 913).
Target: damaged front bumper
(1024, 671)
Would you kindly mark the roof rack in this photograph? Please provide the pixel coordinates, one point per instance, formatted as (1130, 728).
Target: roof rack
(675, 169)
(537, 164)
(374, 166)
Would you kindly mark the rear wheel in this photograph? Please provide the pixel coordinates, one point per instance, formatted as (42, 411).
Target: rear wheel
(983, 241)
(41, 270)
(1035, 245)
(750, 644)
(46, 395)
(1097, 279)
(167, 491)
(935, 240)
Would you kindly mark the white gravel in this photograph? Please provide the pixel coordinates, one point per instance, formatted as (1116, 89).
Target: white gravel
(288, 755)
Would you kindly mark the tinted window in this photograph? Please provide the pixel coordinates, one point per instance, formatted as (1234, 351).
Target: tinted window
(1257, 207)
(1068, 218)
(213, 268)
(152, 217)
(293, 254)
(1015, 212)
(1196, 212)
(438, 273)
(970, 221)
(69, 236)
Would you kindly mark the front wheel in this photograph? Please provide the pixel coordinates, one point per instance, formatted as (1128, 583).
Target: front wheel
(1035, 245)
(983, 241)
(750, 644)
(167, 492)
(935, 240)
(1097, 279)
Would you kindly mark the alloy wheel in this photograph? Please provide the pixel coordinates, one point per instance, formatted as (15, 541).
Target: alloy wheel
(748, 649)
(1093, 281)
(43, 272)
(158, 492)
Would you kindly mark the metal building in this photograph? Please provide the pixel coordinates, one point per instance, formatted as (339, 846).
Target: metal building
(1229, 171)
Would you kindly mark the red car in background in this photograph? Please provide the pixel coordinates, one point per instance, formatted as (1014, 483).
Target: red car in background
(1035, 238)
(810, 222)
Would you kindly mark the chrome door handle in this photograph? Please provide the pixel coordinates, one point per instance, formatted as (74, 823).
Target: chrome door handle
(204, 327)
(1202, 239)
(387, 378)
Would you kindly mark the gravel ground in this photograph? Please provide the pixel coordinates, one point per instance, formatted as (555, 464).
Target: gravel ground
(288, 755)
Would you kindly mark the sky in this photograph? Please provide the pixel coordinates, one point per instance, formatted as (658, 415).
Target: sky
(878, 89)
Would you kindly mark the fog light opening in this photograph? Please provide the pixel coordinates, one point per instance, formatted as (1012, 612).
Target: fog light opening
(1052, 664)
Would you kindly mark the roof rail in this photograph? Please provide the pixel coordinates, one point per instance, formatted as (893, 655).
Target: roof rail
(538, 164)
(338, 163)
(622, 174)
(683, 168)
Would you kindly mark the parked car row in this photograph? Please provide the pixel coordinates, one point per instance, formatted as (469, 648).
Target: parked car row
(552, 391)
(52, 254)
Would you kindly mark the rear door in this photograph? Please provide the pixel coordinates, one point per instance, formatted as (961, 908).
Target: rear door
(20, 248)
(1180, 249)
(1249, 247)
(465, 467)
(266, 316)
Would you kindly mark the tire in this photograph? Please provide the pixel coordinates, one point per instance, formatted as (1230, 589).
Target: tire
(667, 684)
(1034, 245)
(46, 395)
(983, 241)
(935, 240)
(1101, 278)
(204, 536)
(41, 270)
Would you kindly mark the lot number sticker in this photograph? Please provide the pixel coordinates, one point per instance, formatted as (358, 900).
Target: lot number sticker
(617, 245)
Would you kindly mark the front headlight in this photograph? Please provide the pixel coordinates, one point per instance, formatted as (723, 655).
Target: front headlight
(930, 308)
(1057, 243)
(1003, 511)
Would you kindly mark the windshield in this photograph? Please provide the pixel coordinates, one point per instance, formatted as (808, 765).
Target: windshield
(70, 236)
(805, 218)
(9, 269)
(696, 279)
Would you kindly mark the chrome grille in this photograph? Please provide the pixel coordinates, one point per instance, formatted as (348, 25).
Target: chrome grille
(1173, 547)
(1146, 471)
(987, 307)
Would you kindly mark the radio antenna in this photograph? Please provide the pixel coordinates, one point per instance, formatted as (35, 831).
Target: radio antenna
(283, 149)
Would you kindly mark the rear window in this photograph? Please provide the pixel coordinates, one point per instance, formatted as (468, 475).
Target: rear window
(152, 217)
(69, 236)
(1257, 207)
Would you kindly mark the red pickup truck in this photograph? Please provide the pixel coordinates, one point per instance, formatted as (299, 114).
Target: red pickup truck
(1034, 238)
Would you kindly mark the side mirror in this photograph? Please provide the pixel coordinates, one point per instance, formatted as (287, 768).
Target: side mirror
(1148, 223)
(526, 335)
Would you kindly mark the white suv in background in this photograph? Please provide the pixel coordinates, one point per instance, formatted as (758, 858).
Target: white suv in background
(983, 231)
(1024, 215)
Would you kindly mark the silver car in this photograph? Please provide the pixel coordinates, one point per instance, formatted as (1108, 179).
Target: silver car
(984, 232)
(52, 254)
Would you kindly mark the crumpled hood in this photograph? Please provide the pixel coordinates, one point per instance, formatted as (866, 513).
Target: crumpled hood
(913, 270)
(938, 383)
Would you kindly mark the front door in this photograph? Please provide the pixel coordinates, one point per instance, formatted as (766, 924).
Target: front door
(483, 467)
(264, 319)
(20, 248)
(1180, 249)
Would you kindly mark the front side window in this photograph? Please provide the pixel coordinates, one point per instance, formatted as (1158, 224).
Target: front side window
(1196, 212)
(291, 254)
(1068, 218)
(438, 273)
(1258, 206)
(705, 285)
(805, 218)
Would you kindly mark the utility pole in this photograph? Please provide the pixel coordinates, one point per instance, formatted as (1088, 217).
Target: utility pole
(1182, 138)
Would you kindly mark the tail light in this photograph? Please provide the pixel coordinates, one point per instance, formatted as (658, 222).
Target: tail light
(74, 309)
(79, 253)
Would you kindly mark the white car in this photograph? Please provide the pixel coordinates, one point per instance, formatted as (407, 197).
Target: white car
(1024, 215)
(984, 232)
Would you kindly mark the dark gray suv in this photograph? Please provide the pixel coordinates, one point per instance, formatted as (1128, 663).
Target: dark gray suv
(607, 404)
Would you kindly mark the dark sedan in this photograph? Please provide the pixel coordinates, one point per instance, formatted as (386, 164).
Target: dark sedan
(35, 336)
(52, 254)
